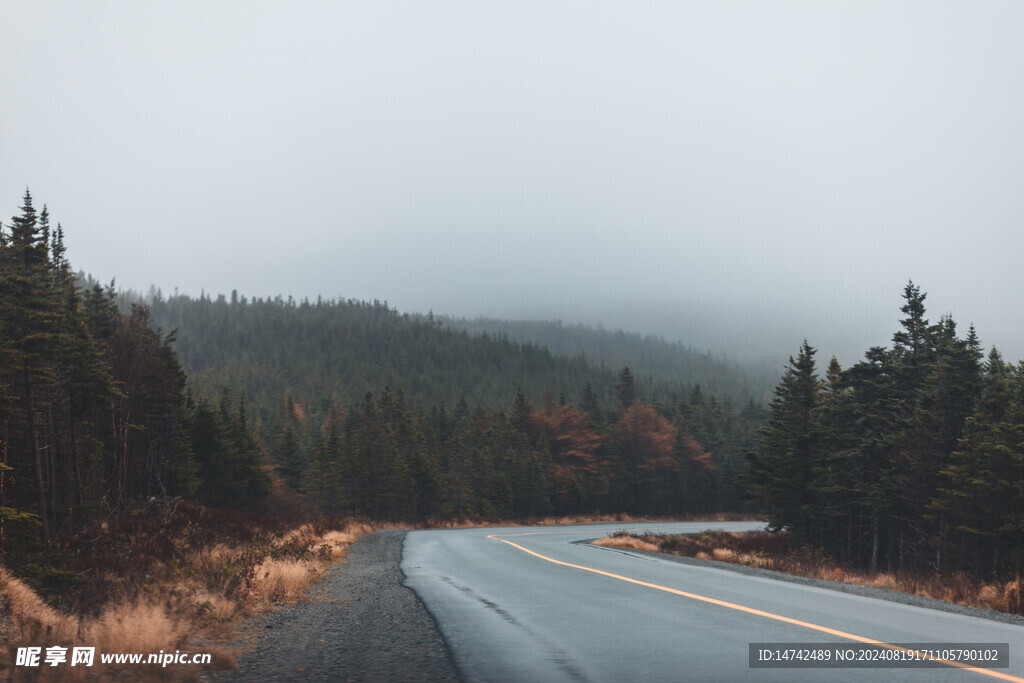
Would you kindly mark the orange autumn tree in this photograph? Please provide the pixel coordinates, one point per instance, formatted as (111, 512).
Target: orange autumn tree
(647, 440)
(662, 460)
(647, 446)
(579, 475)
(696, 468)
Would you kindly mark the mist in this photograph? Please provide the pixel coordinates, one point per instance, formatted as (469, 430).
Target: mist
(734, 175)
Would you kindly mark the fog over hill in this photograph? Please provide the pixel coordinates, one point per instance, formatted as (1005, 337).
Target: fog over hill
(757, 337)
(646, 355)
(735, 176)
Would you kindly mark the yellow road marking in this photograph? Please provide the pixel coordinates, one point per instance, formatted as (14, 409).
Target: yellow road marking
(762, 613)
(537, 533)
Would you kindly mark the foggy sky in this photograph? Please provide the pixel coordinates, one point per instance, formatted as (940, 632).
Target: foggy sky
(739, 175)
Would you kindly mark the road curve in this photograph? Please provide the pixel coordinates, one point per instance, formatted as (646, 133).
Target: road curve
(531, 604)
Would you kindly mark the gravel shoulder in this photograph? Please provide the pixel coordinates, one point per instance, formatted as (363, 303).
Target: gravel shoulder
(359, 623)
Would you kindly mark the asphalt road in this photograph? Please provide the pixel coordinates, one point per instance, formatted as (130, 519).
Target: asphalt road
(522, 613)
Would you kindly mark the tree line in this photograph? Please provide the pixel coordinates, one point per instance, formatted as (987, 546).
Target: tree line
(365, 373)
(94, 415)
(912, 458)
(330, 407)
(384, 458)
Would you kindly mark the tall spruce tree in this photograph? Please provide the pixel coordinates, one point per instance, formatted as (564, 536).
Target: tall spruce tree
(625, 390)
(782, 475)
(981, 494)
(29, 309)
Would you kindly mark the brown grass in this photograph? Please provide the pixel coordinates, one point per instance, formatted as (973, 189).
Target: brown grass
(627, 542)
(777, 552)
(338, 542)
(283, 580)
(214, 605)
(29, 618)
(189, 578)
(144, 627)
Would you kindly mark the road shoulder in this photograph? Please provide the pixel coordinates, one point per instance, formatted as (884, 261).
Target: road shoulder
(359, 623)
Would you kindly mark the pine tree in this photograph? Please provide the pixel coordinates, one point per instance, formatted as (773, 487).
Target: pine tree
(84, 378)
(914, 339)
(625, 390)
(782, 474)
(980, 496)
(945, 398)
(287, 458)
(590, 405)
(248, 474)
(29, 311)
(327, 473)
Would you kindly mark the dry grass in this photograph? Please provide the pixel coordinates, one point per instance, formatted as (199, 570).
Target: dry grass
(777, 552)
(214, 605)
(283, 580)
(338, 542)
(724, 555)
(191, 577)
(1013, 595)
(144, 627)
(626, 542)
(29, 618)
(882, 580)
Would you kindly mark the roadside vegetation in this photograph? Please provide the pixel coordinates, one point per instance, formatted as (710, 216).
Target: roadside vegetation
(782, 552)
(480, 522)
(911, 460)
(173, 576)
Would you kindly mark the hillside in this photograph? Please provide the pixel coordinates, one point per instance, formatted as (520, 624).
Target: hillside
(650, 357)
(339, 350)
(361, 409)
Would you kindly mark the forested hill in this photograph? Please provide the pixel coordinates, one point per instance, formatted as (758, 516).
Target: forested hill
(362, 410)
(332, 408)
(648, 356)
(337, 351)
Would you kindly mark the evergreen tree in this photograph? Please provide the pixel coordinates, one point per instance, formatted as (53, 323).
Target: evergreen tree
(29, 309)
(227, 456)
(589, 404)
(625, 390)
(866, 433)
(914, 339)
(287, 459)
(980, 497)
(783, 473)
(327, 474)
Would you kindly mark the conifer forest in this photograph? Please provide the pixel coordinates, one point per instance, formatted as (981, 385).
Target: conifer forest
(911, 458)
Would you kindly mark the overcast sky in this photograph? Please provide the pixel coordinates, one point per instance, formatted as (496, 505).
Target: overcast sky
(733, 173)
